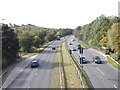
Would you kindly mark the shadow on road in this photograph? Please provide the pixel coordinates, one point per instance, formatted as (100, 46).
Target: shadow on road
(104, 62)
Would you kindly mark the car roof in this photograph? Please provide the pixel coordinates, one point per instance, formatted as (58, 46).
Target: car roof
(83, 57)
(34, 61)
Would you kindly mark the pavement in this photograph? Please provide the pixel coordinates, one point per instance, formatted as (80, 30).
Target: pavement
(23, 76)
(101, 75)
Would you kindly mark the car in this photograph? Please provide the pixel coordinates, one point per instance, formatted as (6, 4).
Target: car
(53, 48)
(70, 43)
(84, 59)
(74, 49)
(78, 47)
(34, 63)
(73, 39)
(97, 59)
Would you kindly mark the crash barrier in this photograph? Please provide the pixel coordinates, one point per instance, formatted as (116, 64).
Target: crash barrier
(86, 81)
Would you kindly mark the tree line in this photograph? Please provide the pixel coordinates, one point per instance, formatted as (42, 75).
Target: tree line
(26, 38)
(102, 32)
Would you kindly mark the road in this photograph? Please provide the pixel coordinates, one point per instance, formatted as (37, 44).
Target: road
(37, 77)
(101, 75)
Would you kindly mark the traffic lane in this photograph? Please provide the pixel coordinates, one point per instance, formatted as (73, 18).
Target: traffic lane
(44, 74)
(89, 55)
(27, 75)
(105, 68)
(43, 77)
(95, 74)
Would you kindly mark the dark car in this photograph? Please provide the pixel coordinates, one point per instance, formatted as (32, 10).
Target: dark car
(53, 48)
(74, 49)
(97, 59)
(34, 63)
(83, 60)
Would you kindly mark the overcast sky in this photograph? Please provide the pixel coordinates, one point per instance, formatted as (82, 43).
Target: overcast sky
(56, 13)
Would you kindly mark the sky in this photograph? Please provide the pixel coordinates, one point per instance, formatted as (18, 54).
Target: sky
(55, 13)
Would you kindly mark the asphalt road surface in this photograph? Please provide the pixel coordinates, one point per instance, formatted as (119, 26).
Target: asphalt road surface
(41, 76)
(101, 75)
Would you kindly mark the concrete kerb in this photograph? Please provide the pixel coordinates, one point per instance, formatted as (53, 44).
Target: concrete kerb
(17, 70)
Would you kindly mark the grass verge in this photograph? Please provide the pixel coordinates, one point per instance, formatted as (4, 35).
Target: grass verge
(57, 71)
(37, 51)
(113, 63)
(71, 77)
(63, 65)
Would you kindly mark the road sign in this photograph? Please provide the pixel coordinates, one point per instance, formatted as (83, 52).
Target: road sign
(81, 37)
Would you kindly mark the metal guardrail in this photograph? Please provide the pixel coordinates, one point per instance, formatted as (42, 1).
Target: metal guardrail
(87, 82)
(3, 74)
(113, 60)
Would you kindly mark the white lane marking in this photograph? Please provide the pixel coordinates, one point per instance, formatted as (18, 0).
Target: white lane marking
(21, 70)
(115, 86)
(100, 71)
(35, 74)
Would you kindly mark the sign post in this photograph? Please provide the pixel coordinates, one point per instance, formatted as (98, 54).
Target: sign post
(81, 59)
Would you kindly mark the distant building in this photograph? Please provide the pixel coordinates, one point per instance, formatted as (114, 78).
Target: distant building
(111, 17)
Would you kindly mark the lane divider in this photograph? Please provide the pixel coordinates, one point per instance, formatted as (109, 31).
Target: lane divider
(35, 74)
(115, 86)
(100, 71)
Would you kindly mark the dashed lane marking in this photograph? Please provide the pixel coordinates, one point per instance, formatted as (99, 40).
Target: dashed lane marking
(100, 71)
(35, 74)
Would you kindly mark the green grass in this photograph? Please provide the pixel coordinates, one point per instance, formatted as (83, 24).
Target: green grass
(29, 55)
(56, 71)
(113, 63)
(71, 77)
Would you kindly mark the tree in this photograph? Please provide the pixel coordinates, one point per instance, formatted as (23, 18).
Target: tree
(10, 44)
(51, 36)
(26, 41)
(37, 41)
(114, 36)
